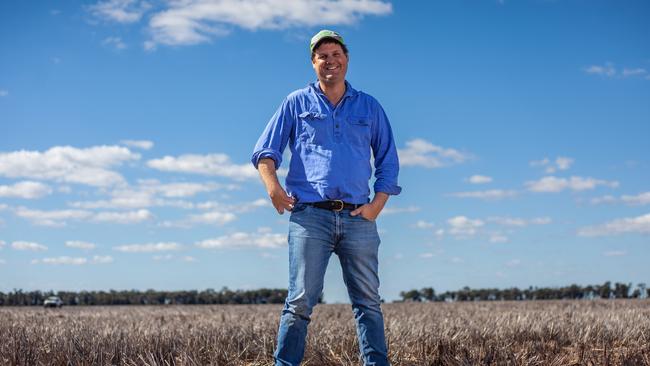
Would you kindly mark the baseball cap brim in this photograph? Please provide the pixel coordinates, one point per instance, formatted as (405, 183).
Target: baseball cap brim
(323, 35)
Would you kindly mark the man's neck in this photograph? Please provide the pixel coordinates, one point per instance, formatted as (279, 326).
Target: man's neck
(333, 92)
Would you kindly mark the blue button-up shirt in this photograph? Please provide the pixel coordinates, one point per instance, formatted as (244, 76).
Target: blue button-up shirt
(331, 146)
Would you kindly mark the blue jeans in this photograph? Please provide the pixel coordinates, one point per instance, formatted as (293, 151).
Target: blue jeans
(314, 234)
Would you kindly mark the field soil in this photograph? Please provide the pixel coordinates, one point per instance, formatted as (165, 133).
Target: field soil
(604, 332)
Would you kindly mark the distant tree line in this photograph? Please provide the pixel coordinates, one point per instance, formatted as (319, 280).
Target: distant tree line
(574, 292)
(149, 297)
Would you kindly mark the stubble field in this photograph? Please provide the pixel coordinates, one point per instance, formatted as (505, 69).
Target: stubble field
(613, 332)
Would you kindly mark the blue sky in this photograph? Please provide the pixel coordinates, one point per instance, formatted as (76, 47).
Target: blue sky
(126, 129)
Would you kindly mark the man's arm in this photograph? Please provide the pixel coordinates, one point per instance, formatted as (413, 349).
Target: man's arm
(281, 201)
(386, 167)
(267, 155)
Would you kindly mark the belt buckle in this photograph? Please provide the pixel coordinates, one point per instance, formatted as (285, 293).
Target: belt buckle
(341, 205)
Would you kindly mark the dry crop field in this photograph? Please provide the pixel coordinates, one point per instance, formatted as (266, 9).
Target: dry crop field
(613, 332)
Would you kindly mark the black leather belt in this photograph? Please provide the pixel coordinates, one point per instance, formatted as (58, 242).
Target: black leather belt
(334, 205)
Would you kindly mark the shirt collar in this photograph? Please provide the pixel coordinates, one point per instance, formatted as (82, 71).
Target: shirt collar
(349, 90)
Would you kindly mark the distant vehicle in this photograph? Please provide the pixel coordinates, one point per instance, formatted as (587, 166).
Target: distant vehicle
(53, 302)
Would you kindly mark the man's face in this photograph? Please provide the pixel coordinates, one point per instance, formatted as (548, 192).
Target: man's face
(330, 63)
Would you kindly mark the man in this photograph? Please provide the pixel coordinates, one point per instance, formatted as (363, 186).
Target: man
(331, 130)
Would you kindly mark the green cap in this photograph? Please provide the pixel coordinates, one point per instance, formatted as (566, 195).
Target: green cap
(322, 35)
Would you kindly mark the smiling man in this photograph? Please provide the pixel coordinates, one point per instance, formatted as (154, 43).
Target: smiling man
(332, 130)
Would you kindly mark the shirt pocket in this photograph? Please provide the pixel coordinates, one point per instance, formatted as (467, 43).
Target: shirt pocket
(359, 128)
(313, 127)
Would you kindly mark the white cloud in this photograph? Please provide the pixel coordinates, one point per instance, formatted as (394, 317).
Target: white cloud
(639, 224)
(427, 255)
(165, 257)
(60, 217)
(188, 258)
(560, 163)
(541, 221)
(102, 259)
(197, 21)
(603, 199)
(2, 261)
(421, 224)
(129, 217)
(543, 162)
(513, 263)
(519, 222)
(555, 184)
(509, 221)
(396, 210)
(640, 199)
(498, 238)
(175, 190)
(146, 195)
(489, 195)
(615, 253)
(479, 179)
(138, 144)
(75, 261)
(218, 214)
(212, 164)
(461, 226)
(51, 218)
(4, 93)
(27, 245)
(634, 72)
(245, 240)
(606, 70)
(149, 247)
(563, 163)
(121, 199)
(213, 217)
(68, 164)
(422, 153)
(2, 244)
(120, 11)
(206, 218)
(251, 206)
(457, 260)
(115, 42)
(80, 245)
(26, 190)
(63, 260)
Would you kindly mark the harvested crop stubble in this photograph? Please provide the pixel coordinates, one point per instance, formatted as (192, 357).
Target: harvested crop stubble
(613, 332)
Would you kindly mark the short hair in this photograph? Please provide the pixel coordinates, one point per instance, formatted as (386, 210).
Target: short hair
(326, 41)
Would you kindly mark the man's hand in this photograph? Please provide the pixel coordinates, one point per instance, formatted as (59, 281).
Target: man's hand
(281, 201)
(368, 211)
(371, 210)
(278, 196)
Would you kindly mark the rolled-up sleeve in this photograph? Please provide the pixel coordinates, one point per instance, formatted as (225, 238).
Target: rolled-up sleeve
(273, 140)
(385, 154)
